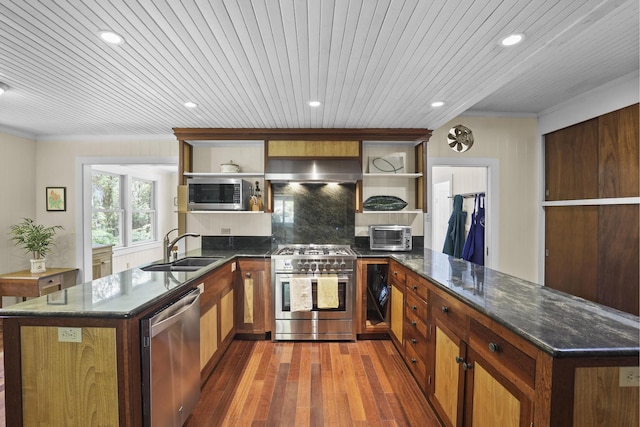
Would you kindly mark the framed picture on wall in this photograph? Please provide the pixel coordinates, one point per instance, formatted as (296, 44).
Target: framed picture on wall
(56, 198)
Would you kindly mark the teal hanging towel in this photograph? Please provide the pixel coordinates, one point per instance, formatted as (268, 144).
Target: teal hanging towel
(454, 240)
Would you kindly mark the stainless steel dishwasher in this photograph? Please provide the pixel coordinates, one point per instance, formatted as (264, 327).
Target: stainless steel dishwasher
(171, 362)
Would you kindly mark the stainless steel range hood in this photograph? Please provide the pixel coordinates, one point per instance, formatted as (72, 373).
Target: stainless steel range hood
(313, 170)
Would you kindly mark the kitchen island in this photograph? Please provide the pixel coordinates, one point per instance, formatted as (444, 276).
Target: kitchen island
(544, 347)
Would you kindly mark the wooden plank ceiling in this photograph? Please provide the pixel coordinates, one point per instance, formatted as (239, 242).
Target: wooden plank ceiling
(257, 63)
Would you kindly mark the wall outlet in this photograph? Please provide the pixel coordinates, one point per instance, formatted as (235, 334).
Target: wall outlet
(69, 334)
(629, 376)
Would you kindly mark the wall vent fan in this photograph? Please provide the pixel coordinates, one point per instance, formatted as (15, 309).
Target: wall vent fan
(460, 138)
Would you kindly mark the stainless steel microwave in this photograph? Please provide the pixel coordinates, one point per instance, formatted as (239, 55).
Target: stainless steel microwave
(390, 237)
(218, 194)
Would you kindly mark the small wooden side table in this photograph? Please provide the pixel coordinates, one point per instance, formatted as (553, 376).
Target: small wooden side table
(26, 284)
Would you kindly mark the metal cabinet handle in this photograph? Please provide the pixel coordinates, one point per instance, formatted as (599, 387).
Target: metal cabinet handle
(413, 323)
(415, 287)
(493, 347)
(414, 307)
(413, 360)
(459, 359)
(395, 273)
(413, 341)
(248, 274)
(445, 309)
(466, 366)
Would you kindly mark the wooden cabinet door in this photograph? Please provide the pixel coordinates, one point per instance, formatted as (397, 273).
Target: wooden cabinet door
(571, 162)
(208, 334)
(491, 400)
(397, 313)
(571, 250)
(226, 315)
(448, 378)
(252, 297)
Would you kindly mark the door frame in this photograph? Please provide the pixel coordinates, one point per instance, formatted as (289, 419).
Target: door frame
(492, 202)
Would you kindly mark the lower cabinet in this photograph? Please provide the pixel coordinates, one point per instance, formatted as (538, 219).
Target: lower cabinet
(397, 281)
(372, 314)
(480, 377)
(253, 296)
(217, 318)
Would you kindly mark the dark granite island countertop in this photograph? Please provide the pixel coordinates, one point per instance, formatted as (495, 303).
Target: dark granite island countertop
(120, 295)
(559, 324)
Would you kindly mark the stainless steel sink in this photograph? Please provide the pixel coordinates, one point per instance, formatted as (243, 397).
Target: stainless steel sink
(199, 261)
(183, 264)
(170, 267)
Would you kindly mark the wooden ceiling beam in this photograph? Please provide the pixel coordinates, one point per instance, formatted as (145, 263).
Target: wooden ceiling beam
(307, 134)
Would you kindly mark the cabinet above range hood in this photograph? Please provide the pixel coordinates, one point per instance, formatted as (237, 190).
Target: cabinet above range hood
(313, 170)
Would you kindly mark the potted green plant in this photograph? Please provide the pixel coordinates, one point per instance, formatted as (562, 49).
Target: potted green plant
(35, 239)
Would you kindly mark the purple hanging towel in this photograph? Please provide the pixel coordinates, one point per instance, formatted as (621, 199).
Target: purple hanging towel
(474, 246)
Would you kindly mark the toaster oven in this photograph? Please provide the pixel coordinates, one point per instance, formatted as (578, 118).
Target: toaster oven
(390, 237)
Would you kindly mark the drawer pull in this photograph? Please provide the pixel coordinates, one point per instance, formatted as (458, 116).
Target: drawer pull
(414, 360)
(413, 341)
(395, 273)
(414, 307)
(466, 366)
(459, 359)
(415, 287)
(413, 323)
(248, 274)
(445, 309)
(493, 347)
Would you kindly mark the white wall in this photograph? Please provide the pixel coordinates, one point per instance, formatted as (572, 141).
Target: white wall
(512, 144)
(17, 185)
(59, 162)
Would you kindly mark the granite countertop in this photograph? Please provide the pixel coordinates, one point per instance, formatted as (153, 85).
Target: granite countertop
(559, 324)
(121, 295)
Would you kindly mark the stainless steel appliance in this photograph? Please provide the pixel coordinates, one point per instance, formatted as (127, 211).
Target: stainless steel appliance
(171, 362)
(312, 262)
(222, 194)
(390, 237)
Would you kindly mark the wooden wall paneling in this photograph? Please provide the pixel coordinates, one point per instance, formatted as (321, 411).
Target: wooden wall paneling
(619, 153)
(571, 244)
(600, 402)
(86, 371)
(571, 162)
(618, 261)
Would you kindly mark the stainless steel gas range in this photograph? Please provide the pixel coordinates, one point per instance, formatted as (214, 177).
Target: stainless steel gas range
(314, 292)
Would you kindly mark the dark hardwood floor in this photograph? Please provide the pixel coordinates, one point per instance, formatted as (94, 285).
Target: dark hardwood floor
(261, 383)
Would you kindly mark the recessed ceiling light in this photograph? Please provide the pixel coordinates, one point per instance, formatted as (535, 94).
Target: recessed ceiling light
(314, 103)
(437, 104)
(190, 104)
(111, 37)
(511, 40)
(3, 88)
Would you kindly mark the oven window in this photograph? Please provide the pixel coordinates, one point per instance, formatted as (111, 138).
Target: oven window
(342, 292)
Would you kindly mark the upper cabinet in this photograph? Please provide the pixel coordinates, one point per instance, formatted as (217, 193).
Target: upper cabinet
(595, 159)
(202, 151)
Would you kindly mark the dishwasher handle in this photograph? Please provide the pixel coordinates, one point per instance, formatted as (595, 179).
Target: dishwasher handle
(173, 313)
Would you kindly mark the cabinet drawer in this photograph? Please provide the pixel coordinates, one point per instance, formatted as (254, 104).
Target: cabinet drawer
(413, 323)
(498, 351)
(50, 284)
(452, 312)
(417, 286)
(415, 306)
(416, 364)
(417, 341)
(397, 274)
